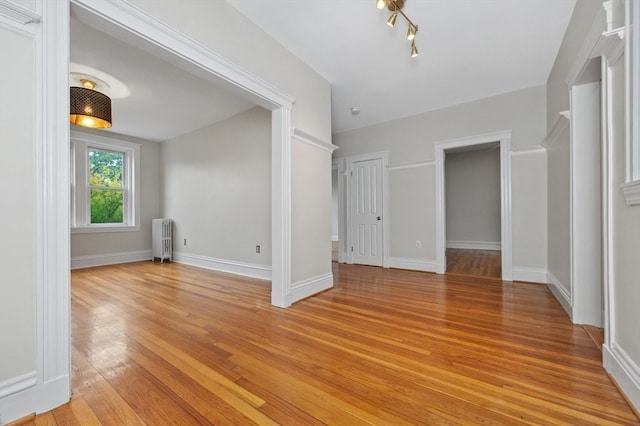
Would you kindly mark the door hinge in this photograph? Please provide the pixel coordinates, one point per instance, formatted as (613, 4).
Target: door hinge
(352, 249)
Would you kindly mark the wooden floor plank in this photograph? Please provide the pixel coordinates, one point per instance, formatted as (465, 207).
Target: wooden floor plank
(172, 344)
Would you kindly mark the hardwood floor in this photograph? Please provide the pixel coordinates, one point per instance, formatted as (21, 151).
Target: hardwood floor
(477, 263)
(170, 344)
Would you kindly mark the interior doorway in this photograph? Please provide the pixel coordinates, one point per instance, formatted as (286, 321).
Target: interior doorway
(123, 24)
(503, 142)
(472, 209)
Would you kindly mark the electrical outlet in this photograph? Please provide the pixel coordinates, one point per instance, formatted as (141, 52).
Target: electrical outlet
(185, 241)
(257, 249)
(418, 244)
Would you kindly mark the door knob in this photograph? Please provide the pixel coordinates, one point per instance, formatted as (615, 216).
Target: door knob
(379, 218)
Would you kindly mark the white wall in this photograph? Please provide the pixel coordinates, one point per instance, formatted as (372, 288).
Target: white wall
(217, 189)
(559, 199)
(311, 212)
(625, 292)
(472, 185)
(18, 189)
(103, 247)
(410, 140)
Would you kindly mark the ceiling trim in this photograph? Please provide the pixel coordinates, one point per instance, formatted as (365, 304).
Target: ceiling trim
(148, 28)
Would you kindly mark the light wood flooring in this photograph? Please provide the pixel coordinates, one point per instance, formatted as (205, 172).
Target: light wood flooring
(162, 344)
(477, 263)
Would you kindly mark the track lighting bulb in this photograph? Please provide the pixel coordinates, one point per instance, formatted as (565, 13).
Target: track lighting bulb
(392, 19)
(380, 4)
(411, 32)
(414, 49)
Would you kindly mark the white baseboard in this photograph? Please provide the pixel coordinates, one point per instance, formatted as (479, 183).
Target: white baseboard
(532, 275)
(475, 245)
(18, 384)
(309, 287)
(36, 399)
(223, 265)
(413, 264)
(80, 262)
(334, 238)
(624, 371)
(559, 292)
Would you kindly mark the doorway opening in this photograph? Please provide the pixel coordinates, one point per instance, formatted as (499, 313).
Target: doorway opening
(472, 208)
(500, 141)
(125, 25)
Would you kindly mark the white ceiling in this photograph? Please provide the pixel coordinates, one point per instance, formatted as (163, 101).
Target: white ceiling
(469, 49)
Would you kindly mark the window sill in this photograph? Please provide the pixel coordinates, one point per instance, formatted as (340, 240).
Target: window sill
(631, 192)
(101, 229)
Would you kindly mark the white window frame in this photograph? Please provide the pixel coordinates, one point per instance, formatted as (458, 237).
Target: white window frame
(81, 143)
(631, 187)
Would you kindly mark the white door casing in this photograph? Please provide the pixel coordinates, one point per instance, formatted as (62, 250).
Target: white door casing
(367, 212)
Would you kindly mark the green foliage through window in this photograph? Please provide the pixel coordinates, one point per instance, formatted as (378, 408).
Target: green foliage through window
(106, 186)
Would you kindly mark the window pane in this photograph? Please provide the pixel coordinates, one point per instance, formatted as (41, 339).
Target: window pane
(107, 205)
(105, 168)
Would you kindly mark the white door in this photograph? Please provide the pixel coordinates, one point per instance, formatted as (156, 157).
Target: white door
(366, 212)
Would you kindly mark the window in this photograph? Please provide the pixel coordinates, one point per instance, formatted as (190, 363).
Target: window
(105, 196)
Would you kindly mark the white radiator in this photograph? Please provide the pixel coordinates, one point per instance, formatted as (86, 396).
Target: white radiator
(161, 239)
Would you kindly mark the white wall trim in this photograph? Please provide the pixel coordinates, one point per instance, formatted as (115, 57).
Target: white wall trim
(312, 140)
(474, 245)
(560, 293)
(560, 124)
(52, 286)
(411, 165)
(17, 13)
(90, 261)
(413, 264)
(624, 371)
(631, 192)
(537, 149)
(18, 384)
(335, 238)
(531, 275)
(504, 137)
(35, 399)
(262, 272)
(311, 286)
(280, 207)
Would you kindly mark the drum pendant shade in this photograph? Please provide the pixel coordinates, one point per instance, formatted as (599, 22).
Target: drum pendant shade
(89, 108)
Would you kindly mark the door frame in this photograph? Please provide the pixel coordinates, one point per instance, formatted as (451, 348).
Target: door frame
(504, 138)
(345, 215)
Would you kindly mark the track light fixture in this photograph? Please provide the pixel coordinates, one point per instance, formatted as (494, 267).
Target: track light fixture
(395, 6)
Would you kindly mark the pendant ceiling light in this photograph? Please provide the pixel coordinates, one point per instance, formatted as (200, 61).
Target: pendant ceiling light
(395, 6)
(88, 107)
